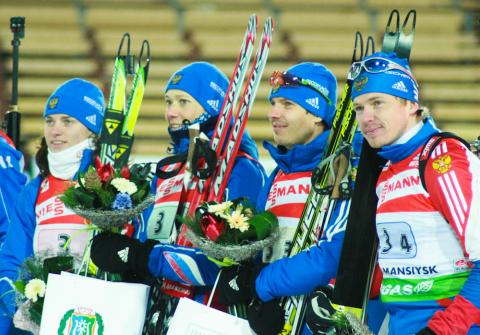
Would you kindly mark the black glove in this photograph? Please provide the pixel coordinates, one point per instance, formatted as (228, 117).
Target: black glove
(266, 318)
(237, 284)
(319, 311)
(426, 331)
(120, 254)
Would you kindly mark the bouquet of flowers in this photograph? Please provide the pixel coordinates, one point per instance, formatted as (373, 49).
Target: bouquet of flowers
(346, 323)
(110, 197)
(231, 231)
(31, 286)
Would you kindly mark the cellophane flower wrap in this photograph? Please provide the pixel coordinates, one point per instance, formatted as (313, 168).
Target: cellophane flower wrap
(110, 197)
(231, 231)
(346, 323)
(31, 285)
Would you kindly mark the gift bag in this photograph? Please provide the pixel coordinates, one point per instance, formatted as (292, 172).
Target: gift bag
(80, 305)
(192, 318)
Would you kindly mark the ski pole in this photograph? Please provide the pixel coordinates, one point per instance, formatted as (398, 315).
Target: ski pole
(12, 116)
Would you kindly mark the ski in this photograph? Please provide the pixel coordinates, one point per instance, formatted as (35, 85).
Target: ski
(120, 117)
(231, 98)
(320, 201)
(355, 271)
(227, 160)
(133, 107)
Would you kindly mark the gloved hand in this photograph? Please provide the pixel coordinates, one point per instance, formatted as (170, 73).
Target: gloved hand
(237, 284)
(319, 311)
(266, 318)
(120, 254)
(426, 331)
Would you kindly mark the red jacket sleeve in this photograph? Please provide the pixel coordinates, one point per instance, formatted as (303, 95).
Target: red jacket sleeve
(452, 177)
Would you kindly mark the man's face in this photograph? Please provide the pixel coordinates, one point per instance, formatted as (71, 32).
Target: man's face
(292, 124)
(383, 118)
(181, 106)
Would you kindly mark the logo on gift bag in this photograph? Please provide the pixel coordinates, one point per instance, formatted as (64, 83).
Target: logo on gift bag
(81, 321)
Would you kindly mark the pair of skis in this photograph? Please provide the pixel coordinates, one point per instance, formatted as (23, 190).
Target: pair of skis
(329, 184)
(121, 116)
(358, 257)
(226, 148)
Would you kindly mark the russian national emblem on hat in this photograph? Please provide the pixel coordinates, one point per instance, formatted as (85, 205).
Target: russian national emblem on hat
(360, 83)
(53, 103)
(176, 79)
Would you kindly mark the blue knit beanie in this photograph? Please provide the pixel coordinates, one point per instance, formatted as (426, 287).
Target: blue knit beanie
(394, 82)
(79, 99)
(204, 82)
(308, 97)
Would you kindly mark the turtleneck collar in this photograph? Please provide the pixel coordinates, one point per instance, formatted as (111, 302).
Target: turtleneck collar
(409, 142)
(66, 163)
(301, 157)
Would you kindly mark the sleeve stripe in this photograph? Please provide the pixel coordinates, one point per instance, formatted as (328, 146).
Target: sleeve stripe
(459, 191)
(456, 194)
(448, 197)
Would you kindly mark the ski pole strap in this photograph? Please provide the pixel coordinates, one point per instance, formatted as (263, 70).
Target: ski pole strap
(398, 40)
(204, 159)
(343, 149)
(428, 149)
(162, 174)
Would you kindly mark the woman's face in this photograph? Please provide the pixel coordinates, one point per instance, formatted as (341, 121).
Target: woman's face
(181, 106)
(62, 132)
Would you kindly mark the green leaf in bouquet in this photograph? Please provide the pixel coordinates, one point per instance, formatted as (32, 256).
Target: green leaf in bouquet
(57, 264)
(141, 193)
(36, 310)
(191, 223)
(32, 268)
(264, 223)
(20, 286)
(74, 197)
(105, 198)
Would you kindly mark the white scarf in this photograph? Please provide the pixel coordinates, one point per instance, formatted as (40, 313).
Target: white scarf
(65, 164)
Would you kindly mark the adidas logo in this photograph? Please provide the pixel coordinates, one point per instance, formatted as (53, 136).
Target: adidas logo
(92, 119)
(233, 284)
(312, 102)
(399, 85)
(123, 254)
(213, 104)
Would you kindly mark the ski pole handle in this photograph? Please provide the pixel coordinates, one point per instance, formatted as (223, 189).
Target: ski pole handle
(12, 116)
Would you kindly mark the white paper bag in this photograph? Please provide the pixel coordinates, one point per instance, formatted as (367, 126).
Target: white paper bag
(79, 305)
(193, 318)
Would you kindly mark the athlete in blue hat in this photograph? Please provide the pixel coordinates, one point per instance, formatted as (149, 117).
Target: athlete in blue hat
(429, 252)
(303, 102)
(193, 95)
(41, 223)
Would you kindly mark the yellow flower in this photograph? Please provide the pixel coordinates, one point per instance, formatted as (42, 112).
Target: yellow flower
(35, 289)
(220, 209)
(238, 221)
(124, 185)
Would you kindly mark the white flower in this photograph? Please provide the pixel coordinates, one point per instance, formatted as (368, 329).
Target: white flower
(220, 209)
(124, 185)
(35, 289)
(238, 221)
